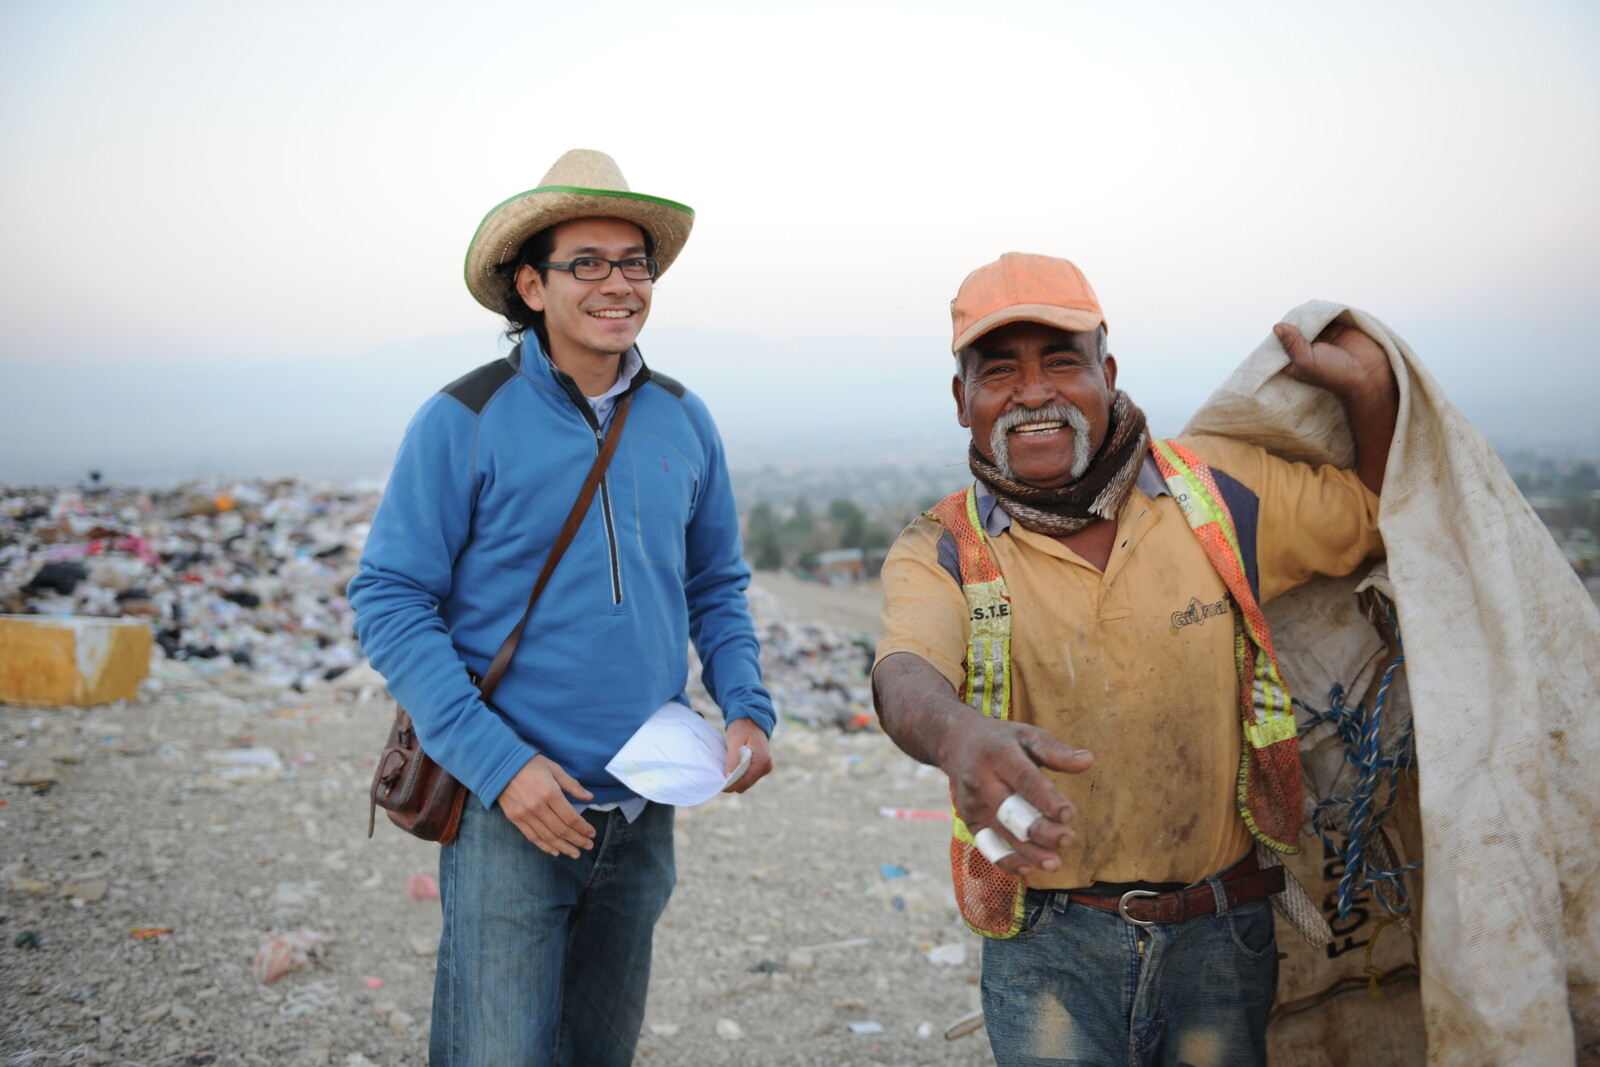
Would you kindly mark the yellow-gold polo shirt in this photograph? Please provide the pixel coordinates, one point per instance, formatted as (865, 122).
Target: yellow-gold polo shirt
(1136, 663)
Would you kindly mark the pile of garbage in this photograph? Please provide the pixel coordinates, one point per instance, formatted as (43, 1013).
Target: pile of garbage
(253, 574)
(817, 674)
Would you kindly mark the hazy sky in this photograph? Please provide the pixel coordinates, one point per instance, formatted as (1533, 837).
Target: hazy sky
(231, 234)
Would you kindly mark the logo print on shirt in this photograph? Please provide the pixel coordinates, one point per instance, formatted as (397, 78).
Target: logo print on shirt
(1197, 612)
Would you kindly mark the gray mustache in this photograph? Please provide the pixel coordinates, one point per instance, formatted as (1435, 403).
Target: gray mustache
(1000, 444)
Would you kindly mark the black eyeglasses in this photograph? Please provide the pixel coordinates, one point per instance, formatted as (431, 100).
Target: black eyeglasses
(595, 269)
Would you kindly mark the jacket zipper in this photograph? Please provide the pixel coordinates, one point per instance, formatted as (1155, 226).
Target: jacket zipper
(611, 529)
(582, 404)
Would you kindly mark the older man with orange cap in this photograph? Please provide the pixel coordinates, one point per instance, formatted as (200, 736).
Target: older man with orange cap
(552, 886)
(1077, 641)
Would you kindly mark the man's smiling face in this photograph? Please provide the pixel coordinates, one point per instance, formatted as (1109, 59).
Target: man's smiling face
(1043, 393)
(588, 319)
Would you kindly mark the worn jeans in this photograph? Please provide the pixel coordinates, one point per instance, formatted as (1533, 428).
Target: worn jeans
(1081, 986)
(545, 959)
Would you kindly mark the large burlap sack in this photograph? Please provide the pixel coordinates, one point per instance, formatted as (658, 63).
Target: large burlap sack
(1502, 685)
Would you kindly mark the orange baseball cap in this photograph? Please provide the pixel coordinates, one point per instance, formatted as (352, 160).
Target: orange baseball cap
(1019, 287)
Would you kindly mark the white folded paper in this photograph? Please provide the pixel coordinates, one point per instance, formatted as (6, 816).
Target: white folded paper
(676, 757)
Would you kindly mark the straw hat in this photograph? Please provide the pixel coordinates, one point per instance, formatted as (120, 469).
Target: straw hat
(582, 184)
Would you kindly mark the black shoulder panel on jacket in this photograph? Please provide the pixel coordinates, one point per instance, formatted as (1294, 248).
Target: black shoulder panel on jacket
(671, 385)
(949, 555)
(475, 388)
(1246, 508)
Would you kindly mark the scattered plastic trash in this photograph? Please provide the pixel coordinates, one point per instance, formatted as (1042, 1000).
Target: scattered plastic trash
(913, 892)
(241, 763)
(951, 955)
(729, 1030)
(867, 1027)
(36, 774)
(892, 871)
(86, 891)
(914, 813)
(293, 894)
(149, 933)
(374, 983)
(422, 887)
(854, 942)
(307, 999)
(968, 1023)
(61, 578)
(282, 953)
(26, 939)
(249, 575)
(16, 878)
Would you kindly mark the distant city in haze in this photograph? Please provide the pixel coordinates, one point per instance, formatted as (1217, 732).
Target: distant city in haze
(782, 406)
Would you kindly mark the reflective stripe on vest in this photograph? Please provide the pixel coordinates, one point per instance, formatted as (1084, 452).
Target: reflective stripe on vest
(1269, 793)
(990, 899)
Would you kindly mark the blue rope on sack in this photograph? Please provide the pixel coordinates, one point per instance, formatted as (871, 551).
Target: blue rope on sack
(1359, 729)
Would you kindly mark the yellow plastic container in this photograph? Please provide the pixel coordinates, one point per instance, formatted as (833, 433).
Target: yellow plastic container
(48, 661)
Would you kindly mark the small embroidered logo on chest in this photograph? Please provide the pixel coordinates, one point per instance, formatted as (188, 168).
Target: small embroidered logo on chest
(1197, 612)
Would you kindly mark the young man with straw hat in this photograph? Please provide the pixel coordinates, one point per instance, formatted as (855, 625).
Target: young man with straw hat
(553, 885)
(1066, 598)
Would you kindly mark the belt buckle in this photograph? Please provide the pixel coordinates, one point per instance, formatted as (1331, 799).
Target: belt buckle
(1122, 906)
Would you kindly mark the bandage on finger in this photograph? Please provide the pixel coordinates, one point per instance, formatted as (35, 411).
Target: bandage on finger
(1016, 815)
(994, 847)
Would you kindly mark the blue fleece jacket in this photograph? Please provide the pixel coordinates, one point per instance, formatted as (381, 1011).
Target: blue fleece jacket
(485, 477)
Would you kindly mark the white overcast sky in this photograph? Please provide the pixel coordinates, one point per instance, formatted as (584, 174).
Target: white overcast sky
(231, 234)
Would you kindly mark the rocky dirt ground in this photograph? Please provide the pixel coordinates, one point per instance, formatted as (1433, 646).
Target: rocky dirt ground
(149, 849)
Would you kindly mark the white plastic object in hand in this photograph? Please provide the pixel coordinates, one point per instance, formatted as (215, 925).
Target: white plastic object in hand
(1016, 815)
(992, 845)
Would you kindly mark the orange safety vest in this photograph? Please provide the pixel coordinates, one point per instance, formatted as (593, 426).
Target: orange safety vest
(1269, 792)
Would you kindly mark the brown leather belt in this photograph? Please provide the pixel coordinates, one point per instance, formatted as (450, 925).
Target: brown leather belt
(1243, 882)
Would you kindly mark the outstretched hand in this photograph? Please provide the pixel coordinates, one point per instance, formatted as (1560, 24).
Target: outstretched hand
(988, 760)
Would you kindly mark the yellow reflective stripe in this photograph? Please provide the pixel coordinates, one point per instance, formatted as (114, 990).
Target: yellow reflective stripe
(996, 679)
(982, 649)
(1005, 678)
(972, 514)
(959, 828)
(1192, 499)
(1261, 692)
(1203, 503)
(1269, 696)
(1271, 732)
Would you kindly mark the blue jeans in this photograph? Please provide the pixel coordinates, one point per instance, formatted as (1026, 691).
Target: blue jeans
(1081, 986)
(545, 959)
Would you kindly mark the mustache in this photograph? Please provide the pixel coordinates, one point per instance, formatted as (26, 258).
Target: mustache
(1000, 444)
